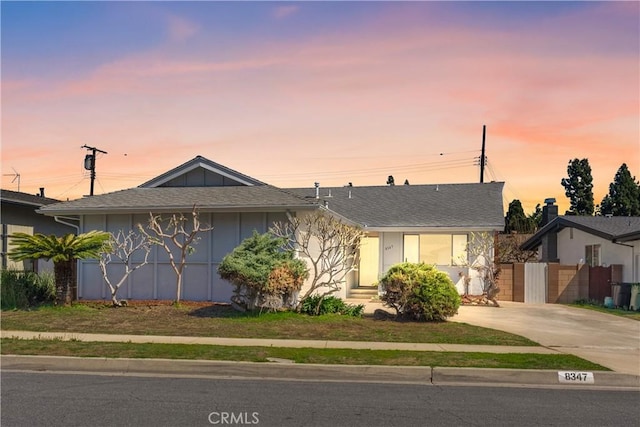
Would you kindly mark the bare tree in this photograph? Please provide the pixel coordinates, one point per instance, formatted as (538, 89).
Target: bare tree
(329, 246)
(121, 247)
(508, 248)
(177, 231)
(480, 257)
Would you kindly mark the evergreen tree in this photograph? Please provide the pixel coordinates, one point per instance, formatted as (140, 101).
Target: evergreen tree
(579, 187)
(516, 220)
(624, 195)
(535, 218)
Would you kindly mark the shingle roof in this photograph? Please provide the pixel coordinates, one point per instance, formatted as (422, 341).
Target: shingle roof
(615, 228)
(438, 205)
(25, 198)
(172, 199)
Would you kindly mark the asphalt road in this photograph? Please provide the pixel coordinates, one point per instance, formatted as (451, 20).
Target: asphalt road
(61, 399)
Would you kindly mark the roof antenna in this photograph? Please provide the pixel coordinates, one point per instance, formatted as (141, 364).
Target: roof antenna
(16, 176)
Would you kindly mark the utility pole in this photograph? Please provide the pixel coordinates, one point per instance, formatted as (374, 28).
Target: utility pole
(90, 163)
(482, 156)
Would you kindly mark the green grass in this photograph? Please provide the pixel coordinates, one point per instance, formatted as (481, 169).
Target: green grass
(298, 355)
(634, 315)
(223, 321)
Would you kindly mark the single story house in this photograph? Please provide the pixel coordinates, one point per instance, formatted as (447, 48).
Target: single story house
(430, 223)
(18, 215)
(593, 240)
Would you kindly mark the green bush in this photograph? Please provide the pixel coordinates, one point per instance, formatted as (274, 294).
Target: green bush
(319, 305)
(23, 289)
(264, 275)
(420, 292)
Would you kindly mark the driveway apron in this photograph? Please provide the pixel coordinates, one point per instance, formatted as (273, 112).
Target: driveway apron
(609, 340)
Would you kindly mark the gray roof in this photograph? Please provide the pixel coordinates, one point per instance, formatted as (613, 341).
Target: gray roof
(174, 199)
(405, 206)
(614, 228)
(25, 198)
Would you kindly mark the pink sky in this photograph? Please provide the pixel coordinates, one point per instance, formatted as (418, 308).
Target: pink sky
(385, 92)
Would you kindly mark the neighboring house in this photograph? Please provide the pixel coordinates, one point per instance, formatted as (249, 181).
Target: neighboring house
(18, 214)
(593, 240)
(429, 223)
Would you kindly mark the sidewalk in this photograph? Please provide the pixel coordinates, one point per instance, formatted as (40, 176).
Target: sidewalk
(259, 342)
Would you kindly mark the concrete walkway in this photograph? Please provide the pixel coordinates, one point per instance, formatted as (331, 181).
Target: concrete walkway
(608, 340)
(251, 342)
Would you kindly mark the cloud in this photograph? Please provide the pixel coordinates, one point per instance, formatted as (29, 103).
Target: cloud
(181, 29)
(282, 12)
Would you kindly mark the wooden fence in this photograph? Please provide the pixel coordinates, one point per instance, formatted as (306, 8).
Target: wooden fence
(558, 284)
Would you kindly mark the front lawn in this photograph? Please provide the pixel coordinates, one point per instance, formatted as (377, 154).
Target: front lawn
(209, 320)
(298, 355)
(635, 315)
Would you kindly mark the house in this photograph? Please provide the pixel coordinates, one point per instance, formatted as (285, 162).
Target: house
(429, 223)
(18, 215)
(592, 240)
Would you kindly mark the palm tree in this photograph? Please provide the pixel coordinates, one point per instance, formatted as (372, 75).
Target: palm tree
(63, 251)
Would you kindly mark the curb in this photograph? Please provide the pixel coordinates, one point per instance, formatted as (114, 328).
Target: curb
(424, 375)
(529, 377)
(220, 369)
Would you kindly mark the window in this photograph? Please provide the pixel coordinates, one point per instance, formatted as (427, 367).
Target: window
(438, 249)
(592, 255)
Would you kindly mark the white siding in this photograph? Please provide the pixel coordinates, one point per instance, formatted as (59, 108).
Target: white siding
(571, 250)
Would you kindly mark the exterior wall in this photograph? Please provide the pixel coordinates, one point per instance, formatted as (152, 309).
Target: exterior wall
(157, 280)
(567, 283)
(505, 283)
(23, 218)
(201, 178)
(571, 250)
(392, 252)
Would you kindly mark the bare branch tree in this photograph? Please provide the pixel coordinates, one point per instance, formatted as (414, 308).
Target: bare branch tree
(480, 257)
(179, 231)
(120, 248)
(329, 246)
(508, 248)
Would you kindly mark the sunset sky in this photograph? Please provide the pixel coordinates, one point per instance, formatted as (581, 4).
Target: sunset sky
(296, 92)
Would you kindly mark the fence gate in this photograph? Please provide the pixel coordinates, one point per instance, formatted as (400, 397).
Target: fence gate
(599, 283)
(535, 283)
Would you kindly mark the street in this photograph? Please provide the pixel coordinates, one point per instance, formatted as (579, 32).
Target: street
(57, 399)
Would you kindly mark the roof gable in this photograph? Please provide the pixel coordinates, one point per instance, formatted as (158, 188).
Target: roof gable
(201, 172)
(615, 228)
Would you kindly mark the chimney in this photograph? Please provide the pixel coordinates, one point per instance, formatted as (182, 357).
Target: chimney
(41, 191)
(317, 185)
(549, 211)
(550, 239)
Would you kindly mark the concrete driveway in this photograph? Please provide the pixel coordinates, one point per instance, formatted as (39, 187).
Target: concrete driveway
(608, 340)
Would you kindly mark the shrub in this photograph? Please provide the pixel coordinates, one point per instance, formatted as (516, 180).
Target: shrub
(319, 305)
(420, 292)
(264, 275)
(23, 289)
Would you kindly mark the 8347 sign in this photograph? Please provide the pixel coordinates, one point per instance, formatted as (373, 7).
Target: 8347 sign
(575, 377)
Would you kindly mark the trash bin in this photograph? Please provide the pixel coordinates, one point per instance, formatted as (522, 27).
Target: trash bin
(621, 294)
(634, 304)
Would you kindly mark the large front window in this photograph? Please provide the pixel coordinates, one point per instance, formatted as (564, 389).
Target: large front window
(438, 249)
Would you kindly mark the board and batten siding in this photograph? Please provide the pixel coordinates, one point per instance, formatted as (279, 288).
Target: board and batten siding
(157, 280)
